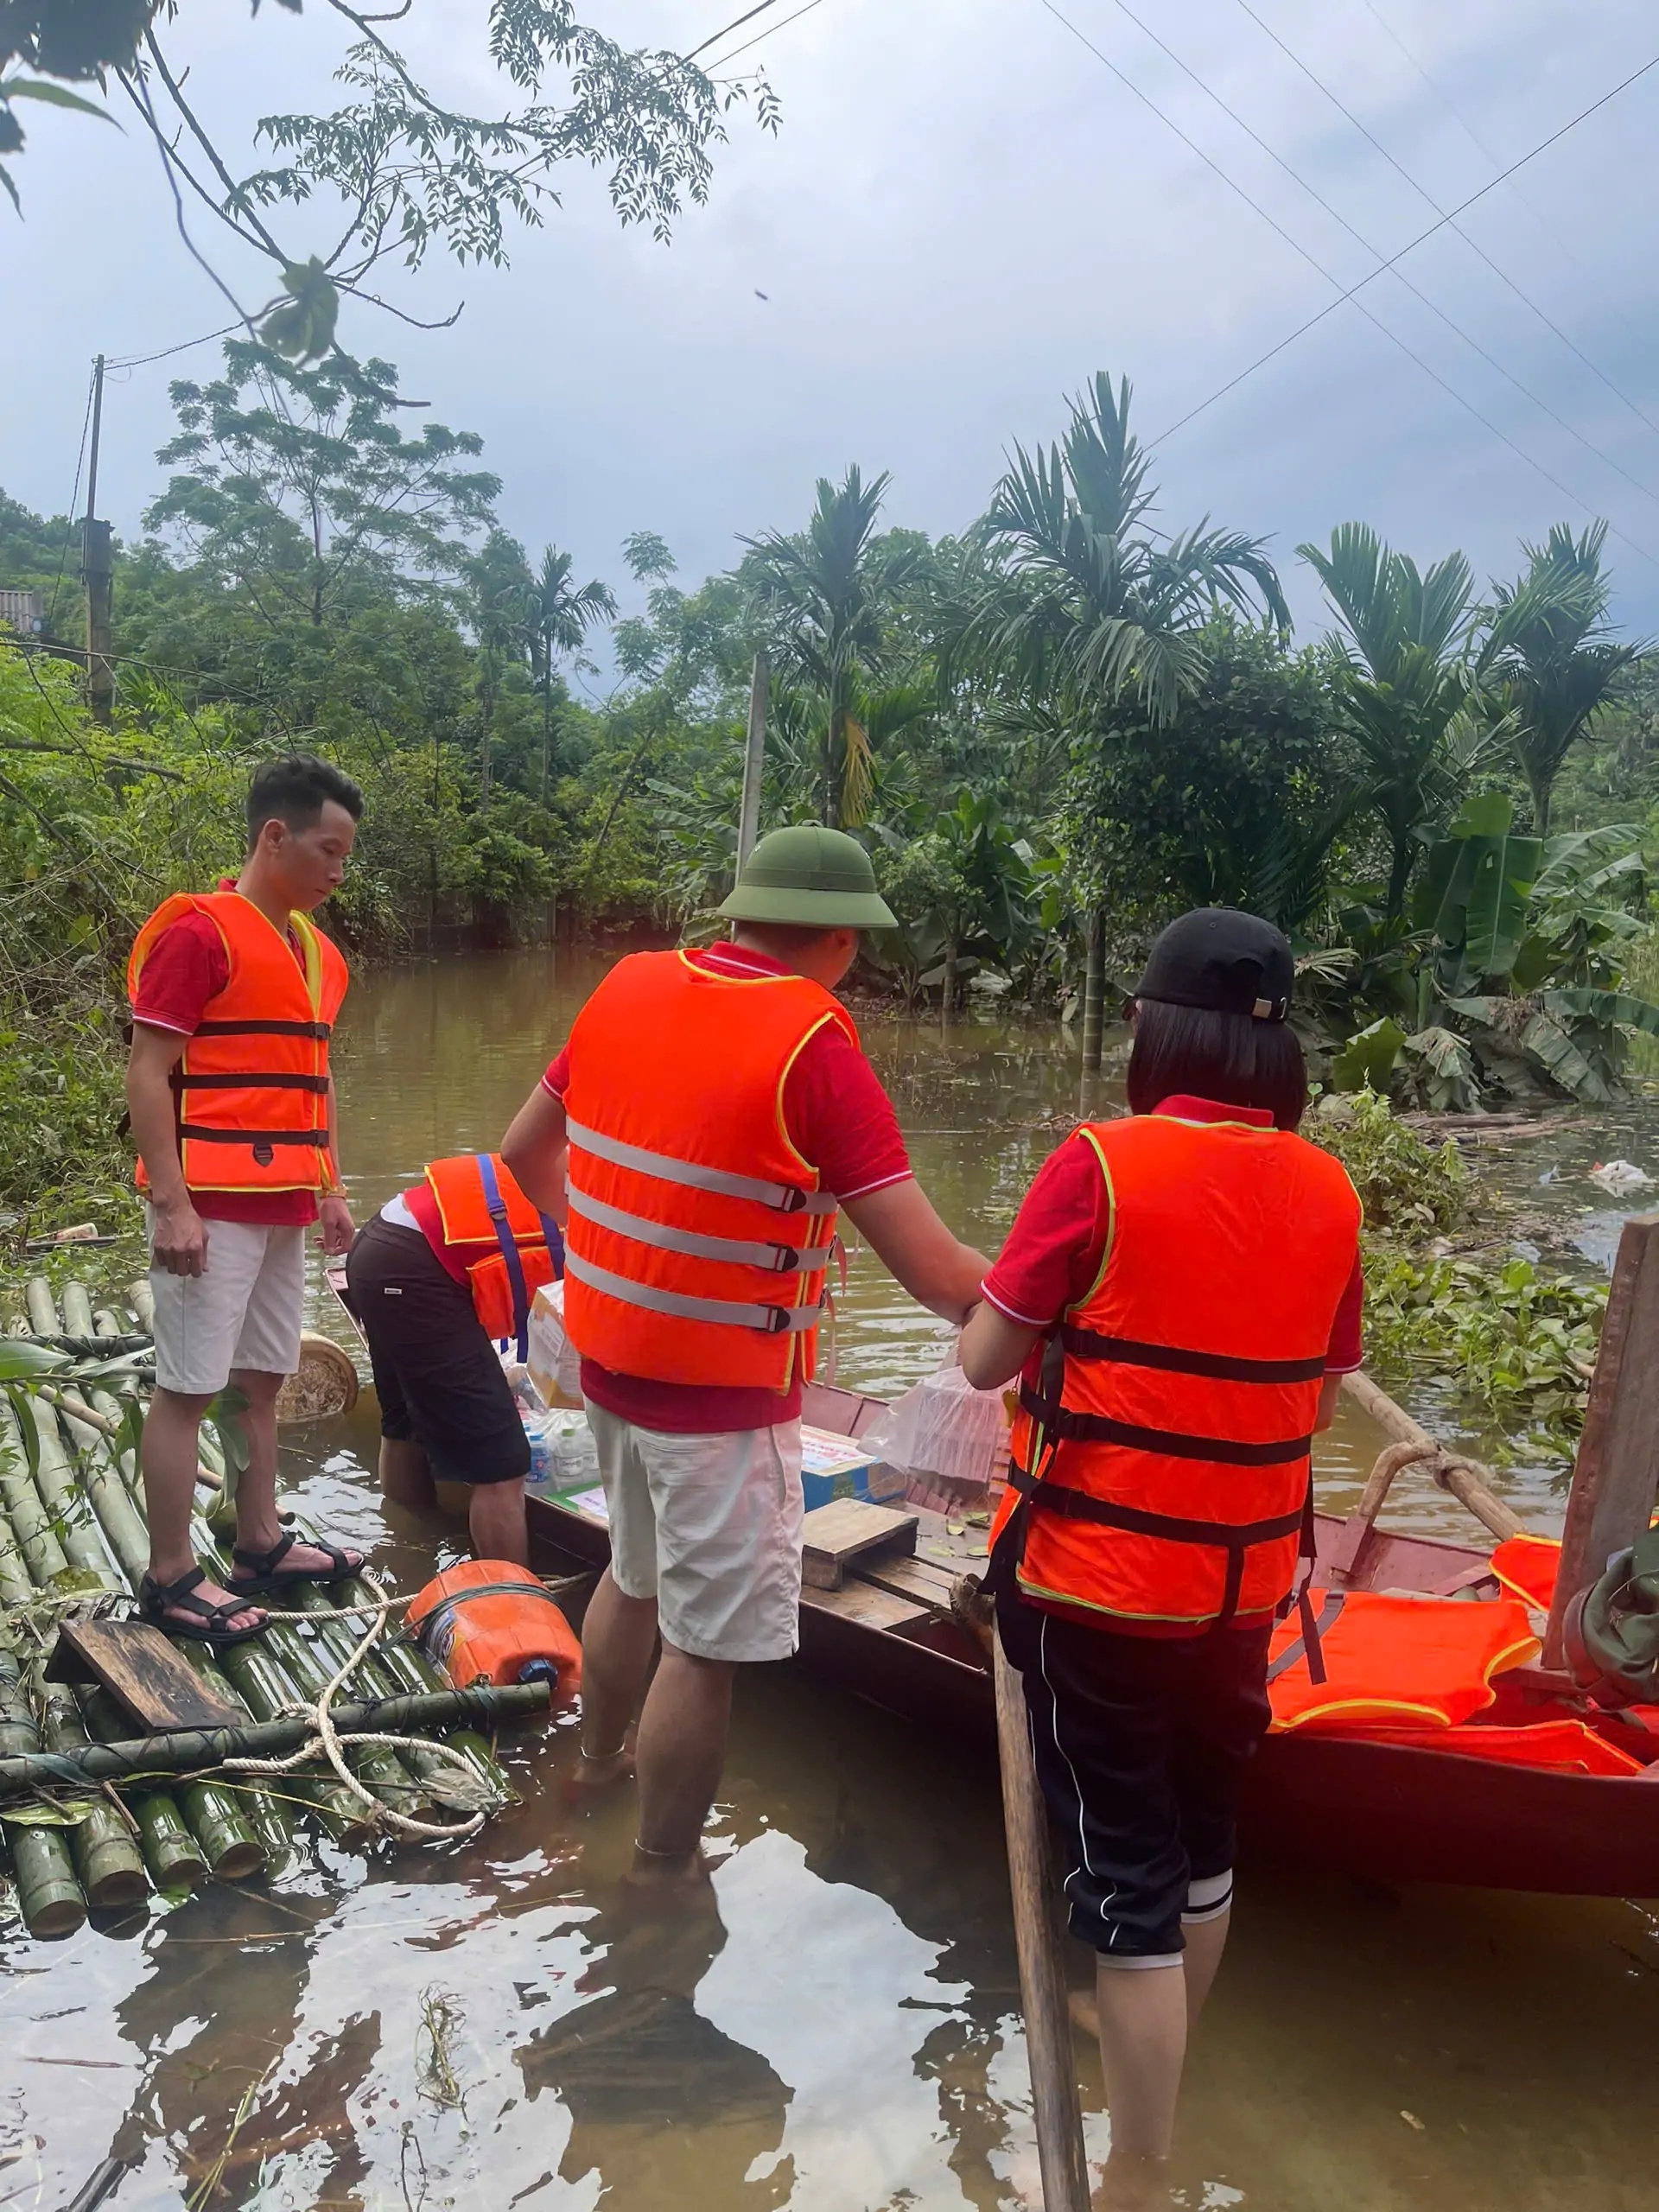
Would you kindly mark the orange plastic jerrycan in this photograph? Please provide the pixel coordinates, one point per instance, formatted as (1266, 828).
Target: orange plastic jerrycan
(487, 1620)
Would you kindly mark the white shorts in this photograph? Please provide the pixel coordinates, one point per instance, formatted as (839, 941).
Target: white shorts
(709, 1527)
(246, 1310)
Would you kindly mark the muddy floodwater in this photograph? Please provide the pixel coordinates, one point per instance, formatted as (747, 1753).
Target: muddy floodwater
(490, 2026)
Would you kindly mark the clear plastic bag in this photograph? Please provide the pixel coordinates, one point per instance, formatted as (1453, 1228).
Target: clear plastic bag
(944, 1427)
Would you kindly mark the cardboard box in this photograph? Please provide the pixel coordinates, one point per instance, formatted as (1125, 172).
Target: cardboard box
(554, 1362)
(835, 1467)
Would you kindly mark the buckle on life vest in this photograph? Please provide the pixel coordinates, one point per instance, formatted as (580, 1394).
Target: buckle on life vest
(788, 1262)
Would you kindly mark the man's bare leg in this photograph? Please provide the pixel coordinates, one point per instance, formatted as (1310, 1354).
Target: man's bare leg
(257, 1529)
(405, 1475)
(619, 1641)
(683, 1735)
(495, 1520)
(1206, 1941)
(1142, 2050)
(168, 1460)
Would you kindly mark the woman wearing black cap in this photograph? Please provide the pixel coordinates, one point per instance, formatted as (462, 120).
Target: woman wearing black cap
(1180, 1294)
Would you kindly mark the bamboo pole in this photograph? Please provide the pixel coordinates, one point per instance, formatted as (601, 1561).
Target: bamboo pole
(143, 1304)
(258, 1686)
(65, 1499)
(76, 1304)
(1466, 1480)
(112, 1501)
(108, 1863)
(72, 1758)
(51, 1898)
(1055, 2106)
(42, 1553)
(41, 1308)
(171, 1858)
(106, 1322)
(15, 1588)
(250, 1833)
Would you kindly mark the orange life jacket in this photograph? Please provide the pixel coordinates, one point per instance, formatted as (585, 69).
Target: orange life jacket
(697, 1236)
(1395, 1662)
(251, 1088)
(1564, 1746)
(488, 1620)
(510, 1248)
(1527, 1567)
(1165, 1457)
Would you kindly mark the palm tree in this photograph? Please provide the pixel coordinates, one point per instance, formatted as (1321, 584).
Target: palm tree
(1403, 677)
(556, 618)
(822, 593)
(1548, 646)
(1089, 604)
(499, 580)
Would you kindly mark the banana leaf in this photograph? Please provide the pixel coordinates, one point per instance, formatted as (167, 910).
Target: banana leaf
(1366, 1061)
(1584, 1001)
(1561, 1057)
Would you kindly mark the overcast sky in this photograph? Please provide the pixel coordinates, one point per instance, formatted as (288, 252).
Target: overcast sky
(964, 214)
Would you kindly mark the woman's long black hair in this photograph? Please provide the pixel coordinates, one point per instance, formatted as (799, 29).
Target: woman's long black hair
(1231, 1058)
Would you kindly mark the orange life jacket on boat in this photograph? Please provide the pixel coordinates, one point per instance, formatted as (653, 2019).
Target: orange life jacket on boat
(251, 1088)
(1399, 1663)
(697, 1236)
(488, 1620)
(1527, 1567)
(1563, 1746)
(1165, 1458)
(508, 1246)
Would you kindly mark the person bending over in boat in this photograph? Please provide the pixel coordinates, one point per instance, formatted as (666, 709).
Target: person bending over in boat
(234, 995)
(1181, 1295)
(715, 1109)
(442, 1273)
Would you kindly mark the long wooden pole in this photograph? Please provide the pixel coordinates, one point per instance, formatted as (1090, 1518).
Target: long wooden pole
(1615, 1474)
(1054, 2101)
(755, 759)
(1461, 1477)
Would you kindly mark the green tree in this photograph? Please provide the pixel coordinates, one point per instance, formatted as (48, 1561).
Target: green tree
(557, 617)
(1402, 679)
(822, 593)
(1549, 645)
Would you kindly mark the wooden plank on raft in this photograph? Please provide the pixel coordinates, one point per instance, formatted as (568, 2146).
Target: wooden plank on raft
(1615, 1475)
(922, 1580)
(866, 1605)
(142, 1672)
(840, 1532)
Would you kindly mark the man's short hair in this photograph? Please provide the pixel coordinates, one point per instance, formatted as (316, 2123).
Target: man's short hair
(295, 790)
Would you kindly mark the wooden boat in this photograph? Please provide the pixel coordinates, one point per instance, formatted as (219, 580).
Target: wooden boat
(1383, 1812)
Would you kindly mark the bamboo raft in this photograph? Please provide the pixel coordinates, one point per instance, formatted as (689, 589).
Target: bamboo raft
(96, 1818)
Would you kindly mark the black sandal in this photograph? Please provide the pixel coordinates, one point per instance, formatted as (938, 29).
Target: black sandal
(264, 1567)
(159, 1602)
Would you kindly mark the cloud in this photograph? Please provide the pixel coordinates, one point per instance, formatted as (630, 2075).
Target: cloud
(964, 215)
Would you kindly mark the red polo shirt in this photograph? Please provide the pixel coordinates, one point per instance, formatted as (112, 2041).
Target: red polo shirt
(1056, 1246)
(838, 1117)
(186, 966)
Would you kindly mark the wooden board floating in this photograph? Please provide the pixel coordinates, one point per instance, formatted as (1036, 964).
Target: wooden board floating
(146, 1676)
(845, 1530)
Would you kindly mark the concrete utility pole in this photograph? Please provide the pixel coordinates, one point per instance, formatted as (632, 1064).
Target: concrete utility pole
(98, 574)
(755, 755)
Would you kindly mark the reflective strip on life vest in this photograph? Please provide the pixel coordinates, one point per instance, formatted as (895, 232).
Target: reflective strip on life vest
(771, 1320)
(787, 1198)
(782, 1259)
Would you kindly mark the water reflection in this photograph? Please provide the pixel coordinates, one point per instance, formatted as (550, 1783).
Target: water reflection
(494, 2025)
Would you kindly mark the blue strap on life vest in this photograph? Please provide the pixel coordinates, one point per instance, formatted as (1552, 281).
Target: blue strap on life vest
(554, 1236)
(505, 1239)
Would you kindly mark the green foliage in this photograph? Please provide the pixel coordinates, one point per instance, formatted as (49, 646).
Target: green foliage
(1404, 1185)
(1518, 1345)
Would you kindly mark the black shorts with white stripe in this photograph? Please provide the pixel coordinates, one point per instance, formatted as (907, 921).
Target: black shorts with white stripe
(1140, 1743)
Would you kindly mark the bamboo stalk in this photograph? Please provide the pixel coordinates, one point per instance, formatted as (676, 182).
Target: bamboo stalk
(240, 1828)
(410, 1668)
(65, 1500)
(106, 1322)
(261, 1687)
(41, 1308)
(143, 1304)
(76, 1304)
(79, 1759)
(171, 1859)
(51, 1898)
(42, 1553)
(112, 1501)
(15, 1588)
(107, 1861)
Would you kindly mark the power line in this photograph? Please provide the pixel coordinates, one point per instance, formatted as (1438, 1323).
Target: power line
(1416, 291)
(1450, 389)
(74, 501)
(1428, 199)
(787, 21)
(735, 26)
(143, 361)
(1410, 246)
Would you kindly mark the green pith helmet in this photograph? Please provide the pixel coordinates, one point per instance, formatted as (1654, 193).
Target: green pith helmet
(815, 878)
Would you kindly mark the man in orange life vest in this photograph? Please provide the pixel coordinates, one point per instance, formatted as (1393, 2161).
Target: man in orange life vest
(443, 1273)
(234, 995)
(715, 1109)
(1182, 1291)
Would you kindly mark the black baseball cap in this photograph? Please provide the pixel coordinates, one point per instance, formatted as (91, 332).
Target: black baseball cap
(1219, 958)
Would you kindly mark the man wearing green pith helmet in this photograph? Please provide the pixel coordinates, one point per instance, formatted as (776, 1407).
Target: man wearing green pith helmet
(708, 1117)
